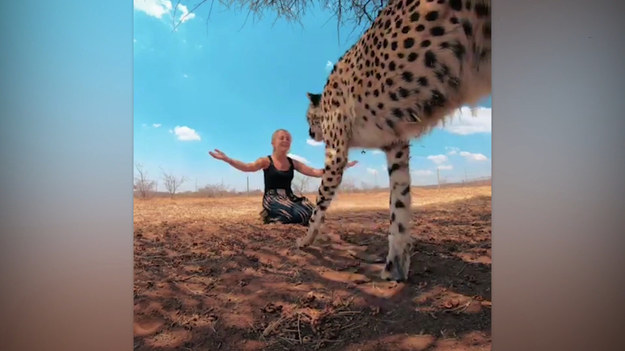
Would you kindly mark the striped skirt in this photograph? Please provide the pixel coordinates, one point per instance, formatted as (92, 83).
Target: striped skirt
(280, 207)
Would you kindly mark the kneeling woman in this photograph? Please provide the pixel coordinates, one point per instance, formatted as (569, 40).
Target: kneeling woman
(279, 203)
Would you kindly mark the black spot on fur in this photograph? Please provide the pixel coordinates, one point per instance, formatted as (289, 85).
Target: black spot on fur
(420, 28)
(380, 106)
(456, 5)
(390, 123)
(486, 31)
(458, 50)
(414, 17)
(398, 113)
(425, 43)
(407, 76)
(431, 16)
(401, 228)
(437, 31)
(393, 96)
(481, 10)
(454, 20)
(430, 59)
(454, 82)
(399, 154)
(392, 217)
(423, 81)
(389, 81)
(392, 169)
(394, 46)
(468, 29)
(391, 66)
(412, 56)
(403, 92)
(399, 203)
(427, 109)
(406, 29)
(406, 191)
(438, 99)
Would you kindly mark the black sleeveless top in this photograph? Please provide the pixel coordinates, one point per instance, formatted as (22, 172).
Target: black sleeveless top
(277, 179)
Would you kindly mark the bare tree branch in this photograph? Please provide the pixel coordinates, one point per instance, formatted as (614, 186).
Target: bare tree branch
(142, 185)
(172, 183)
(187, 14)
(357, 13)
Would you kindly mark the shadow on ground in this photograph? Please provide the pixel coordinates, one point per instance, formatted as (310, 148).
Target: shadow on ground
(241, 285)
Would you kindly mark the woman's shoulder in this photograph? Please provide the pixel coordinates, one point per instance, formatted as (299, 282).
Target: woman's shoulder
(264, 161)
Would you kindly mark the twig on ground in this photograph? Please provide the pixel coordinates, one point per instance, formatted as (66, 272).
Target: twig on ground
(272, 326)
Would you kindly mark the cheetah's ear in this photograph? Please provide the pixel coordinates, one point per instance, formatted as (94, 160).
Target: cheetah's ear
(315, 99)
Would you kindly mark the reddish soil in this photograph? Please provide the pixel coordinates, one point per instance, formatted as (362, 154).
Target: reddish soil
(210, 276)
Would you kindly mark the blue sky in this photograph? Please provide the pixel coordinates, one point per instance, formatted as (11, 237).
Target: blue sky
(228, 83)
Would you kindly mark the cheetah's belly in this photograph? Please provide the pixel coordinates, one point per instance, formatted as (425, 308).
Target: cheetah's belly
(370, 136)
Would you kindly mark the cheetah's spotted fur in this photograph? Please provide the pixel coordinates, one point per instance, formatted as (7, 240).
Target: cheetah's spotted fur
(417, 62)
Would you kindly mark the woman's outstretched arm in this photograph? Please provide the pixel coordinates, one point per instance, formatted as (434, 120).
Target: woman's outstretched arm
(315, 172)
(257, 165)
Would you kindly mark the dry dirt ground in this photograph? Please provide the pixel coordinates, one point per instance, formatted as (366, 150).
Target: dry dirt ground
(208, 275)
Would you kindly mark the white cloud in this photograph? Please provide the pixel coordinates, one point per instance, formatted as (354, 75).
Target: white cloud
(185, 15)
(186, 134)
(159, 8)
(299, 158)
(314, 143)
(329, 66)
(372, 171)
(156, 125)
(445, 167)
(468, 121)
(452, 150)
(185, 75)
(377, 152)
(473, 157)
(154, 8)
(422, 172)
(438, 159)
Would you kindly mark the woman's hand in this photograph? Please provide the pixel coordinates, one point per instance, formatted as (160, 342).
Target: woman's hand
(218, 154)
(351, 164)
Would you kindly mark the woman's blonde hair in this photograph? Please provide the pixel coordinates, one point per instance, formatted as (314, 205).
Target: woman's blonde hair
(273, 136)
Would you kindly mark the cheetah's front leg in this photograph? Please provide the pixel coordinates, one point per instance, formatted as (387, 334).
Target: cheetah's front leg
(399, 240)
(336, 160)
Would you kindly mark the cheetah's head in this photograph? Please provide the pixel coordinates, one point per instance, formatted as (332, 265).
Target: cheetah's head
(313, 115)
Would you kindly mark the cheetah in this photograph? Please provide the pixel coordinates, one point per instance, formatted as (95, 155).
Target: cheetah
(416, 63)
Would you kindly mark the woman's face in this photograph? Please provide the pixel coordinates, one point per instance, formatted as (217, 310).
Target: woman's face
(282, 141)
